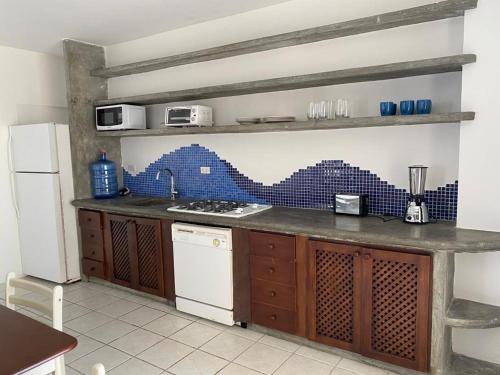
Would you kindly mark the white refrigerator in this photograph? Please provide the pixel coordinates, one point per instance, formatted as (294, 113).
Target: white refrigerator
(43, 179)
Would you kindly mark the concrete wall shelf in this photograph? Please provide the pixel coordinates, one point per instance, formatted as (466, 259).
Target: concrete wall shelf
(470, 314)
(357, 122)
(337, 77)
(404, 17)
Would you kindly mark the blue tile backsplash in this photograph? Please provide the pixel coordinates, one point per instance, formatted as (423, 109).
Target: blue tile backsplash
(312, 187)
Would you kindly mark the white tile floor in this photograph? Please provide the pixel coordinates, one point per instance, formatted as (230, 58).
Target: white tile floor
(134, 335)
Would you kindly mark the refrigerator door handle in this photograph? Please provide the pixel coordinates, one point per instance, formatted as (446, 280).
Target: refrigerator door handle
(12, 175)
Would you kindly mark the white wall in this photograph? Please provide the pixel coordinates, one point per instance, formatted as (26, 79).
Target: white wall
(477, 276)
(32, 89)
(284, 153)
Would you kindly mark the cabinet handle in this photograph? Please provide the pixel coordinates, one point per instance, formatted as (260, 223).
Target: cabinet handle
(92, 235)
(92, 268)
(272, 293)
(271, 270)
(270, 245)
(357, 254)
(273, 317)
(93, 252)
(89, 219)
(367, 256)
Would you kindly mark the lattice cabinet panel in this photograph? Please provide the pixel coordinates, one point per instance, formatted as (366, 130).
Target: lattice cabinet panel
(134, 252)
(335, 300)
(397, 307)
(374, 302)
(119, 249)
(149, 256)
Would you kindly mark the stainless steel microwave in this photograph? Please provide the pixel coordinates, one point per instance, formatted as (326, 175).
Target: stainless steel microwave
(120, 117)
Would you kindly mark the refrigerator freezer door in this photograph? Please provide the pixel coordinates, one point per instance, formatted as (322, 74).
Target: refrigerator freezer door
(34, 148)
(41, 232)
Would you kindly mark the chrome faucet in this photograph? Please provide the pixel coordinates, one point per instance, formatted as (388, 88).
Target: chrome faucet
(173, 192)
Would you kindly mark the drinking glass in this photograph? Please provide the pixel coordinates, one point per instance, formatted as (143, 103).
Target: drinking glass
(322, 110)
(342, 108)
(316, 111)
(347, 108)
(330, 110)
(339, 108)
(311, 111)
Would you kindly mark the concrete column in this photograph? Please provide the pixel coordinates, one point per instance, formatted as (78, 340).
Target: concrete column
(442, 286)
(82, 89)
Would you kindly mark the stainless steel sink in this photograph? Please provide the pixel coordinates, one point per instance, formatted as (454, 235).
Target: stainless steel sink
(149, 202)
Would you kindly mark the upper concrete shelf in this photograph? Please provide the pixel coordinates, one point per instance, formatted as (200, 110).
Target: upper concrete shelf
(357, 122)
(410, 16)
(470, 314)
(364, 74)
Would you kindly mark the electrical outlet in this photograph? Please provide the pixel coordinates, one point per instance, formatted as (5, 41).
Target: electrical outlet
(205, 170)
(131, 168)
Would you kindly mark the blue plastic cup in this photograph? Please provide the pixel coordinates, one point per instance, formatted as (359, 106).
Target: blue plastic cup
(407, 107)
(388, 108)
(424, 106)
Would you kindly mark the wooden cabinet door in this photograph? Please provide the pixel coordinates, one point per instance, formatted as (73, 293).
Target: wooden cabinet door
(119, 244)
(147, 259)
(134, 253)
(396, 305)
(334, 298)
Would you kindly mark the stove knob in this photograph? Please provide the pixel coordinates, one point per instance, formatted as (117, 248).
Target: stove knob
(408, 218)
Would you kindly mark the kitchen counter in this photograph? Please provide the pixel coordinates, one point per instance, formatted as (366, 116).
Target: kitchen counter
(320, 224)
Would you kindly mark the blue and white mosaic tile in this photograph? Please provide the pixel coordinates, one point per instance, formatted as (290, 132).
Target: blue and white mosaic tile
(313, 187)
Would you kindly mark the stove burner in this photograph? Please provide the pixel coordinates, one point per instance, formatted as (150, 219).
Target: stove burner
(209, 205)
(220, 208)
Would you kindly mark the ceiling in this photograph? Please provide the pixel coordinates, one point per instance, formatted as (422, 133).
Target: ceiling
(41, 25)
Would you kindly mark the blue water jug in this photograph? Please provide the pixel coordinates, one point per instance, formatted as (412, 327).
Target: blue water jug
(103, 178)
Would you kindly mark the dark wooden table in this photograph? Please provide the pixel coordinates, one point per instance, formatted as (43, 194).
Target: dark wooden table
(26, 343)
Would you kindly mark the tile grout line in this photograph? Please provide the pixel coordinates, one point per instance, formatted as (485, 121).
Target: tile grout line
(165, 312)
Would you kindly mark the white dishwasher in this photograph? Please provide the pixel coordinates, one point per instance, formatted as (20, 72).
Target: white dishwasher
(203, 269)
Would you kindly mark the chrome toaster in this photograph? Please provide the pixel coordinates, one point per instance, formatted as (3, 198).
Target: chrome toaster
(351, 204)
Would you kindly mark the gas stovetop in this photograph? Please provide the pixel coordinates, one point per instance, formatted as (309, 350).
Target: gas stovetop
(220, 208)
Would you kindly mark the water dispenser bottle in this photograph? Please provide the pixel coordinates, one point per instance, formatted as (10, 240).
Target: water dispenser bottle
(103, 177)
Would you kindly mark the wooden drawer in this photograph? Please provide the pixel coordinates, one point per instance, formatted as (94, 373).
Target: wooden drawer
(272, 245)
(272, 269)
(270, 293)
(274, 317)
(89, 219)
(93, 268)
(92, 244)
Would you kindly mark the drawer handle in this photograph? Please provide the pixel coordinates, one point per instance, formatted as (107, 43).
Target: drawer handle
(270, 245)
(272, 293)
(271, 270)
(273, 317)
(357, 254)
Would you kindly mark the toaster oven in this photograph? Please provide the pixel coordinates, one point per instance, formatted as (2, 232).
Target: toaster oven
(191, 115)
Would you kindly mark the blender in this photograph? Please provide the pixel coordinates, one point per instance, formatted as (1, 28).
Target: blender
(416, 209)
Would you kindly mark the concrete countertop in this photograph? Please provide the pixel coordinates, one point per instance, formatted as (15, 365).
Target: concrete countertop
(319, 224)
